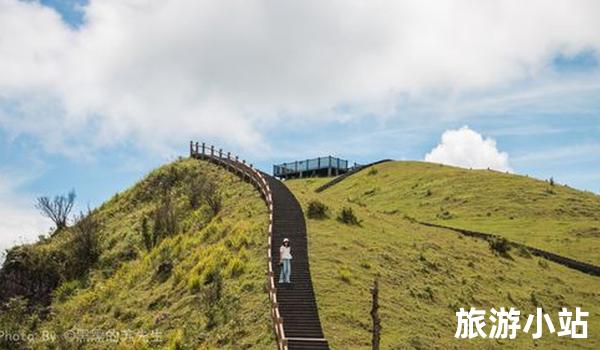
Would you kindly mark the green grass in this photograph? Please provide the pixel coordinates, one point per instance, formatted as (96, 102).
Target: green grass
(210, 291)
(554, 218)
(426, 273)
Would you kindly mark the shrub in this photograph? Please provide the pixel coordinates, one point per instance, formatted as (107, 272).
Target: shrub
(194, 284)
(534, 299)
(347, 216)
(445, 214)
(146, 235)
(212, 196)
(372, 171)
(370, 192)
(15, 319)
(499, 245)
(194, 190)
(549, 191)
(165, 222)
(235, 267)
(316, 210)
(345, 275)
(66, 290)
(163, 272)
(176, 340)
(84, 246)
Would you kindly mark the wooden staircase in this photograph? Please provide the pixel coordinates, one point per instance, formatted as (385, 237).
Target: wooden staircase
(297, 303)
(293, 306)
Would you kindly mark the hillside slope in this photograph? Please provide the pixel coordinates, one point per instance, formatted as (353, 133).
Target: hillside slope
(181, 262)
(551, 217)
(427, 273)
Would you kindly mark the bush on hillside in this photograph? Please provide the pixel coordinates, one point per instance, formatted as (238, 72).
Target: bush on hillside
(34, 271)
(347, 216)
(146, 234)
(316, 210)
(372, 171)
(212, 197)
(345, 275)
(445, 214)
(84, 246)
(165, 221)
(200, 189)
(16, 318)
(500, 245)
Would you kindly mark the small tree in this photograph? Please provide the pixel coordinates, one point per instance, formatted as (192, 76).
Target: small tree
(165, 221)
(316, 210)
(146, 235)
(85, 245)
(212, 196)
(57, 209)
(347, 216)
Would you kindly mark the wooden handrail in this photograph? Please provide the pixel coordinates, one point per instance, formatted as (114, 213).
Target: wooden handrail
(248, 173)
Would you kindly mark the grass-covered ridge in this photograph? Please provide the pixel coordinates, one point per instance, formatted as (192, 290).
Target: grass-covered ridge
(427, 273)
(181, 253)
(548, 216)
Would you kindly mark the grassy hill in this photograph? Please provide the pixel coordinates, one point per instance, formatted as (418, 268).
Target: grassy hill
(180, 257)
(427, 273)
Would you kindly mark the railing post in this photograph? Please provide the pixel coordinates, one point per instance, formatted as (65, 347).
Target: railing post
(212, 150)
(228, 155)
(203, 148)
(196, 147)
(191, 148)
(220, 153)
(237, 159)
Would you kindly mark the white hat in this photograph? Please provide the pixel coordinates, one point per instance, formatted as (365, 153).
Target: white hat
(286, 240)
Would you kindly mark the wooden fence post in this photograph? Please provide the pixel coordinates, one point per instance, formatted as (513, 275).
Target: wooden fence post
(203, 148)
(375, 316)
(191, 148)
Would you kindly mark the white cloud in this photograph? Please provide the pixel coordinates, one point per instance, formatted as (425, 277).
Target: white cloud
(468, 149)
(20, 222)
(157, 73)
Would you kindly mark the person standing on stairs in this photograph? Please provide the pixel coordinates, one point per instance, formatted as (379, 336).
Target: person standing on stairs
(285, 262)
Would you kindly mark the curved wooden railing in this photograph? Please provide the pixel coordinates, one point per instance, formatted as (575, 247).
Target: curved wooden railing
(248, 173)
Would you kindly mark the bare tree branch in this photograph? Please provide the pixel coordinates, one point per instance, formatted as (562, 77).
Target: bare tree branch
(57, 209)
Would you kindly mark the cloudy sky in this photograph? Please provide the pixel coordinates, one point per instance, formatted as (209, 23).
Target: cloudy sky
(93, 94)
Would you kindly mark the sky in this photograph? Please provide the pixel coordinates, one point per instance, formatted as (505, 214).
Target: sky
(94, 94)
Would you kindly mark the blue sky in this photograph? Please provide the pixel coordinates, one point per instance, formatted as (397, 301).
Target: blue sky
(96, 94)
